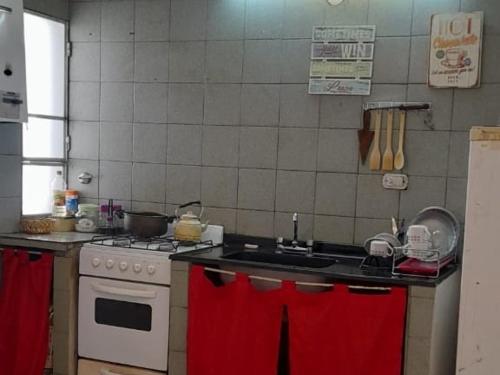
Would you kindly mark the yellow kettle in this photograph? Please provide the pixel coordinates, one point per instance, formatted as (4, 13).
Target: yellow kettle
(189, 226)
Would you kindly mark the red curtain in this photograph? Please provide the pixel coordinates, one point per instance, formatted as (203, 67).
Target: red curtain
(233, 329)
(24, 312)
(347, 332)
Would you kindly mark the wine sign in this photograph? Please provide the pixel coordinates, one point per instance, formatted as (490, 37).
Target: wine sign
(342, 51)
(455, 51)
(341, 60)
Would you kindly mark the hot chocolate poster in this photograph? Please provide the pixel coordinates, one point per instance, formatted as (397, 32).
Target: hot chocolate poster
(455, 50)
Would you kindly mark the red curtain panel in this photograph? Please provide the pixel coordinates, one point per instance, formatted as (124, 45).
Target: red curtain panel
(24, 312)
(233, 329)
(346, 332)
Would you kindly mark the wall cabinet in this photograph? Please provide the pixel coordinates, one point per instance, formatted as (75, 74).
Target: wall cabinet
(12, 62)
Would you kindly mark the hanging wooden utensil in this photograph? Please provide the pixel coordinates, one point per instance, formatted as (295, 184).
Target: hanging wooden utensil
(365, 136)
(375, 154)
(399, 160)
(388, 159)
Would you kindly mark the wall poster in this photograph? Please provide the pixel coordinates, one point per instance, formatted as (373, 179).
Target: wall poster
(455, 50)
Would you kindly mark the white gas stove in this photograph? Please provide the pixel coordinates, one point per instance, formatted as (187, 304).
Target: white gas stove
(123, 313)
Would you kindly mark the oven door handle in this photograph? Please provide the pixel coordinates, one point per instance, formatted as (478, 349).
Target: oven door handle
(105, 371)
(146, 294)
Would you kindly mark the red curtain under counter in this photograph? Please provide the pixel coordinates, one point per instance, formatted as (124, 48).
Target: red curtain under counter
(347, 332)
(24, 312)
(235, 329)
(232, 328)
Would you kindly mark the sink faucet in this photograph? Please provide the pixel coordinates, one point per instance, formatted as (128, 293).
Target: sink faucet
(295, 219)
(280, 247)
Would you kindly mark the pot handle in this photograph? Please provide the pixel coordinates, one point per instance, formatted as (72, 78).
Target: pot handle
(193, 203)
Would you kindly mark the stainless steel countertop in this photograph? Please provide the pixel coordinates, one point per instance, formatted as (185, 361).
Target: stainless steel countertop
(56, 241)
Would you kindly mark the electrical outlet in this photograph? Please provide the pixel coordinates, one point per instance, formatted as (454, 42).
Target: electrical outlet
(395, 181)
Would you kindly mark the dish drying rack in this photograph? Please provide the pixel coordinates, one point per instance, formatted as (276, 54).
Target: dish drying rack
(420, 263)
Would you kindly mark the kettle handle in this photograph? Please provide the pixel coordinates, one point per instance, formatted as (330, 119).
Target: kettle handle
(189, 204)
(193, 203)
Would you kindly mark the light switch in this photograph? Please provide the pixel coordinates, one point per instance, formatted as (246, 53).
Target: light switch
(395, 181)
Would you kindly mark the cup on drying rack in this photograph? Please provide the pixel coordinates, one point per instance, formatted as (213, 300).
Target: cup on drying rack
(420, 238)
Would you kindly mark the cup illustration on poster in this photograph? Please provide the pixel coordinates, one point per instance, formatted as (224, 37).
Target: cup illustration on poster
(456, 58)
(455, 51)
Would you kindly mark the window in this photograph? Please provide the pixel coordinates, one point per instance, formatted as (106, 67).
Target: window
(45, 133)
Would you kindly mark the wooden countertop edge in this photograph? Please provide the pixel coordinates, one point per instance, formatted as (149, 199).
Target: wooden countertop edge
(17, 240)
(34, 244)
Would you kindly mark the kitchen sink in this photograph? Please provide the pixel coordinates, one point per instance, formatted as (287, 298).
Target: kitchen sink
(283, 259)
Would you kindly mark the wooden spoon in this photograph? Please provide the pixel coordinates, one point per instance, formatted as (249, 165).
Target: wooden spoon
(399, 161)
(388, 160)
(375, 154)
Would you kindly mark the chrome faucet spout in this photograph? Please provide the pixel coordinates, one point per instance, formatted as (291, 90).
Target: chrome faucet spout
(295, 219)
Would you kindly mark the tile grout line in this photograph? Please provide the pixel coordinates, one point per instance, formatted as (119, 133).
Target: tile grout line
(244, 52)
(132, 174)
(99, 107)
(449, 150)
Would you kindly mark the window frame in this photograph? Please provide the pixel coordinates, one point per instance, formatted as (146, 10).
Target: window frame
(54, 162)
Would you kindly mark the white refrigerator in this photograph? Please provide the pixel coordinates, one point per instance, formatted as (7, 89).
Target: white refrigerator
(479, 322)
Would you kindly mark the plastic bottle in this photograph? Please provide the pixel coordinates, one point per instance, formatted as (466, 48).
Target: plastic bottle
(57, 187)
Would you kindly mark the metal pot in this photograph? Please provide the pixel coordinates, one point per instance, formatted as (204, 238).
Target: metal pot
(146, 224)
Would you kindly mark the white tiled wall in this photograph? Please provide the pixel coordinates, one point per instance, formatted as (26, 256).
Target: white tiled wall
(10, 176)
(177, 100)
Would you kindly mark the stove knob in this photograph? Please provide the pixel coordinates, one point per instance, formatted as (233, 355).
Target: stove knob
(96, 262)
(110, 263)
(137, 267)
(151, 269)
(123, 266)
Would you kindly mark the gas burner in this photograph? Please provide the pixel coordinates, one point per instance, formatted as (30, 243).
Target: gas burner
(161, 243)
(122, 242)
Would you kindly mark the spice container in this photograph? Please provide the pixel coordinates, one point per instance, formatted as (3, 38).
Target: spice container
(111, 217)
(71, 202)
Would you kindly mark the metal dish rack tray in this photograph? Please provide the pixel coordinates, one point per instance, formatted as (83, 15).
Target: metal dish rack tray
(420, 263)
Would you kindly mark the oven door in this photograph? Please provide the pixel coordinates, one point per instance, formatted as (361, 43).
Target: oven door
(123, 322)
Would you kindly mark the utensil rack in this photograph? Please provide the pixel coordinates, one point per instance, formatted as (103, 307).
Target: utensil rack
(431, 256)
(401, 105)
(396, 105)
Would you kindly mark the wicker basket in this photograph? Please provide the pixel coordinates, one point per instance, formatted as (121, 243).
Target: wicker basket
(37, 226)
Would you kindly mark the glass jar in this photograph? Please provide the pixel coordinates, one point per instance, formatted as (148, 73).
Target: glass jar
(87, 217)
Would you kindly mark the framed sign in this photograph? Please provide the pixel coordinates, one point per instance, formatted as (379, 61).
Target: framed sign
(340, 86)
(455, 50)
(341, 60)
